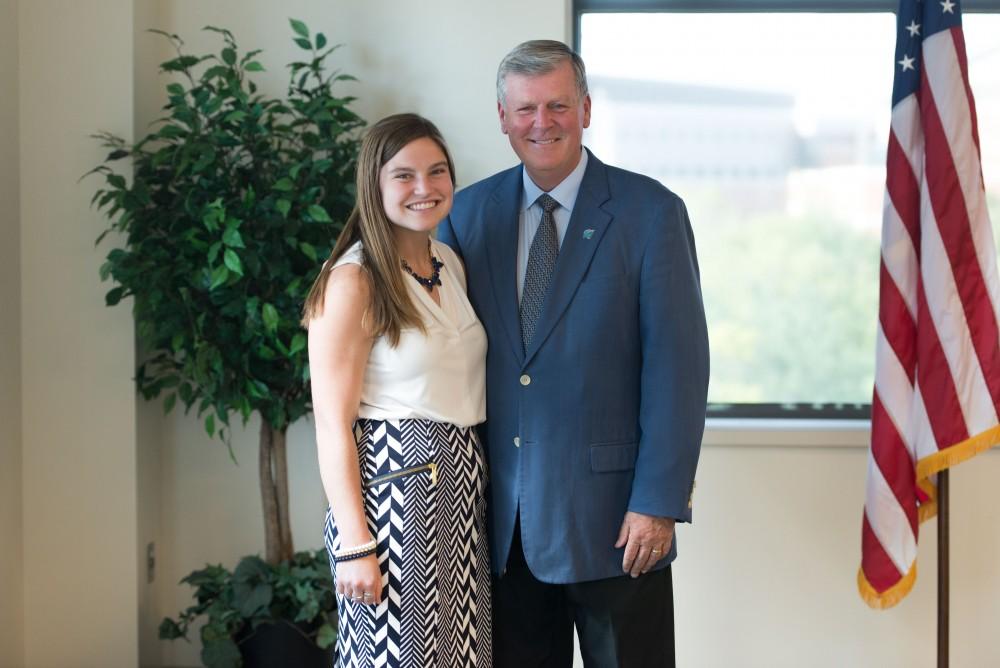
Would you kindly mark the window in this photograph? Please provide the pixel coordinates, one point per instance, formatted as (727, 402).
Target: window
(772, 126)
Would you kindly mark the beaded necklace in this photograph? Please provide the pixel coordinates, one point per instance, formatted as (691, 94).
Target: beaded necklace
(435, 277)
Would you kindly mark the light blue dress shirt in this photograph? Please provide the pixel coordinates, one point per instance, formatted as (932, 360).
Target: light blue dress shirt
(530, 216)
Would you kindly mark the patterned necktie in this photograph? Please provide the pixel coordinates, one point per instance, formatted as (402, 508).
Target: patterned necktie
(541, 261)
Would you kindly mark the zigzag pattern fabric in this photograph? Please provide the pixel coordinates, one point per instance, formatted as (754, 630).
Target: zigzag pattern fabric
(425, 504)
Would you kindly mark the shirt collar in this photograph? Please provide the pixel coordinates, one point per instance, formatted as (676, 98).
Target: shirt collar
(565, 193)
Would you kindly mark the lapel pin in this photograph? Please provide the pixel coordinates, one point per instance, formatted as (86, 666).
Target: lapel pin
(588, 234)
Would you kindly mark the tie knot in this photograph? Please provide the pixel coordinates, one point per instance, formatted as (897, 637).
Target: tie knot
(547, 202)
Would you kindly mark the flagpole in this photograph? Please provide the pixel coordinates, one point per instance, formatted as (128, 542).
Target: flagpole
(943, 607)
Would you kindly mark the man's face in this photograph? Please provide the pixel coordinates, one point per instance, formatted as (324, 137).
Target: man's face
(544, 117)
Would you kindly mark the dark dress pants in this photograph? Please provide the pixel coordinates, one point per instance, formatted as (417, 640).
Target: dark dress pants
(622, 622)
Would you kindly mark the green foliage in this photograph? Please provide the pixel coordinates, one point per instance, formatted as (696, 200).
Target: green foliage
(792, 308)
(235, 196)
(235, 604)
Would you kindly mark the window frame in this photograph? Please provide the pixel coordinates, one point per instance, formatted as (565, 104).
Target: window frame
(762, 411)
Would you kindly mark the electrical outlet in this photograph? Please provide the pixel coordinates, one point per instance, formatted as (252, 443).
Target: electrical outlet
(150, 562)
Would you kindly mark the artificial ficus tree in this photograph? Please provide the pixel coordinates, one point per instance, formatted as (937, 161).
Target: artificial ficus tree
(234, 200)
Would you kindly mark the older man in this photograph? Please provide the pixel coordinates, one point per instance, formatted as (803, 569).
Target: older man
(586, 279)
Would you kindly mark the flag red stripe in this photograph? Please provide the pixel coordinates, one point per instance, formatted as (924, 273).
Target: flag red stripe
(953, 222)
(897, 324)
(894, 461)
(879, 570)
(904, 191)
(963, 63)
(936, 383)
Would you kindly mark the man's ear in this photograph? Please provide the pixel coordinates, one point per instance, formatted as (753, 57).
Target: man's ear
(586, 111)
(503, 117)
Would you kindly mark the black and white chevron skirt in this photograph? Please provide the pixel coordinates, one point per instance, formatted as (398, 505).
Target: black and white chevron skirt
(425, 486)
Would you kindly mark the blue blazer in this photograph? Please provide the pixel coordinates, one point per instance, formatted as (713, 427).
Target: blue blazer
(605, 411)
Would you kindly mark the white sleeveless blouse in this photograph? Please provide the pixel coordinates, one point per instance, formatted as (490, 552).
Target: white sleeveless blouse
(440, 375)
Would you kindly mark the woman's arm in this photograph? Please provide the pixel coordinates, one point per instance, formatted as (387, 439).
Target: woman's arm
(339, 347)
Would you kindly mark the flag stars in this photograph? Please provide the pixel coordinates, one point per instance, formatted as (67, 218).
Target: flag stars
(907, 63)
(947, 7)
(914, 28)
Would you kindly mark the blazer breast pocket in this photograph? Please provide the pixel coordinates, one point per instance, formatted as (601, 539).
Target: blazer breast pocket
(609, 457)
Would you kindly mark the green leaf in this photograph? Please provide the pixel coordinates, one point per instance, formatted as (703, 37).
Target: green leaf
(210, 425)
(114, 296)
(320, 40)
(283, 206)
(175, 89)
(172, 131)
(213, 251)
(232, 238)
(284, 184)
(254, 66)
(299, 27)
(298, 343)
(169, 630)
(308, 250)
(221, 653)
(282, 348)
(326, 636)
(219, 276)
(254, 599)
(168, 404)
(269, 315)
(257, 389)
(319, 214)
(180, 64)
(304, 43)
(229, 56)
(215, 71)
(233, 262)
(235, 116)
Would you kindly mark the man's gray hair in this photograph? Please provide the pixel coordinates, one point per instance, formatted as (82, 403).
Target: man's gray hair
(539, 56)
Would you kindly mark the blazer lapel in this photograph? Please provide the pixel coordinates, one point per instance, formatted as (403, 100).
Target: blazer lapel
(501, 240)
(586, 227)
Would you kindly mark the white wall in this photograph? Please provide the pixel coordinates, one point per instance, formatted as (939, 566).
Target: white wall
(766, 575)
(79, 481)
(11, 576)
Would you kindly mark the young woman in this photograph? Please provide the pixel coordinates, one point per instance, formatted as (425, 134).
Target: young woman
(397, 358)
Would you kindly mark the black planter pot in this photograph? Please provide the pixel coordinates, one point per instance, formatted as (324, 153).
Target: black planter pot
(282, 645)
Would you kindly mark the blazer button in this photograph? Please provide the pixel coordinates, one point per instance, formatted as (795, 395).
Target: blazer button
(525, 379)
(517, 441)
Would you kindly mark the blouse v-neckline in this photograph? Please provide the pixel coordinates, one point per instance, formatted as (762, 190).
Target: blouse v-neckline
(437, 310)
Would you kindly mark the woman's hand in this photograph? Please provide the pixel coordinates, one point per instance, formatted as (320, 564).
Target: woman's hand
(357, 577)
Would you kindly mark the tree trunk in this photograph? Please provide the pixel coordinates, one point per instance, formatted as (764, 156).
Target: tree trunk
(273, 465)
(281, 489)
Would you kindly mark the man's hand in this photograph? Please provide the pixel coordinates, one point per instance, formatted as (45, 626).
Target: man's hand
(646, 538)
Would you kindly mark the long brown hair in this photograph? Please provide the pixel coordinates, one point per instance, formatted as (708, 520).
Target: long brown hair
(391, 309)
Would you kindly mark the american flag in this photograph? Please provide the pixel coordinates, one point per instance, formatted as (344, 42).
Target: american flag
(937, 366)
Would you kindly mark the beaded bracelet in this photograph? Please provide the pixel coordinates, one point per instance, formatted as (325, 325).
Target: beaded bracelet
(353, 555)
(355, 552)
